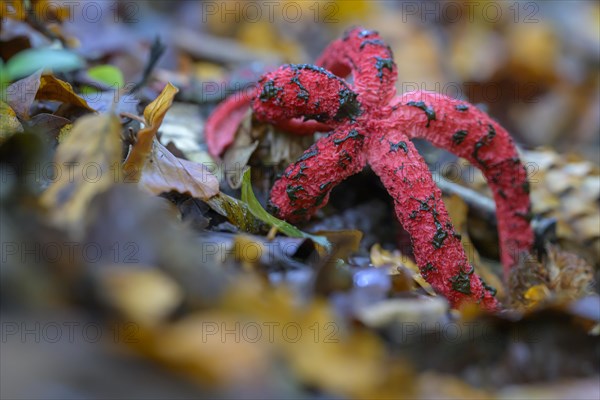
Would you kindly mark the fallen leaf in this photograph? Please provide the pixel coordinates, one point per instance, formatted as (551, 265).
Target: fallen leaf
(108, 74)
(239, 152)
(203, 346)
(52, 88)
(86, 163)
(28, 61)
(9, 123)
(112, 101)
(320, 350)
(381, 257)
(21, 94)
(154, 114)
(182, 126)
(142, 294)
(163, 172)
(345, 242)
(236, 211)
(259, 212)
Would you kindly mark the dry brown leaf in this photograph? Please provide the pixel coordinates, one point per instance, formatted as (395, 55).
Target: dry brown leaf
(458, 211)
(163, 172)
(87, 163)
(52, 88)
(155, 168)
(345, 242)
(381, 257)
(154, 114)
(570, 276)
(561, 277)
(21, 94)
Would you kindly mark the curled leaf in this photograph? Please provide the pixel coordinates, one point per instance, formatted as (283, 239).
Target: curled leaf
(21, 94)
(164, 172)
(154, 114)
(52, 88)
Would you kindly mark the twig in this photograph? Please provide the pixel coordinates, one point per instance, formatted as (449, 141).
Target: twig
(543, 228)
(156, 51)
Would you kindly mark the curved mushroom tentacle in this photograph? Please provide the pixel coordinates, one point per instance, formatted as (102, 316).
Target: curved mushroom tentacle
(419, 207)
(464, 130)
(223, 123)
(305, 91)
(364, 54)
(305, 185)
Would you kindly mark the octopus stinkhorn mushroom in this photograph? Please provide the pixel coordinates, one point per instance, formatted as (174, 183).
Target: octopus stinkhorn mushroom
(370, 124)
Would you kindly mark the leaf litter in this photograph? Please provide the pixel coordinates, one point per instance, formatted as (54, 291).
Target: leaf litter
(194, 273)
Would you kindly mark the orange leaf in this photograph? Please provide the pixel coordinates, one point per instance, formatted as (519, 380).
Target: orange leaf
(154, 115)
(52, 88)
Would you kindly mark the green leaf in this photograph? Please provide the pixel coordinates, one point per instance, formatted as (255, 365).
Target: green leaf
(31, 60)
(4, 81)
(236, 211)
(107, 74)
(259, 212)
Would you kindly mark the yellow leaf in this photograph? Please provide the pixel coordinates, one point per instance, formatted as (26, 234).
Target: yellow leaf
(52, 88)
(40, 10)
(458, 212)
(536, 294)
(142, 294)
(154, 115)
(316, 346)
(381, 257)
(204, 346)
(86, 163)
(13, 9)
(345, 242)
(248, 252)
(163, 172)
(9, 123)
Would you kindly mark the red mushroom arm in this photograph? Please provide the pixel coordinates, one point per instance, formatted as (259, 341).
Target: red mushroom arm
(223, 123)
(307, 92)
(363, 53)
(305, 185)
(419, 207)
(462, 129)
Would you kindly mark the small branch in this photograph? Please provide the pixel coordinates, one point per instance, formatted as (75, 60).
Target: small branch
(471, 197)
(543, 228)
(156, 52)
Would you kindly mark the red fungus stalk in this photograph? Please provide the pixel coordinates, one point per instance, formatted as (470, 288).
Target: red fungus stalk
(371, 125)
